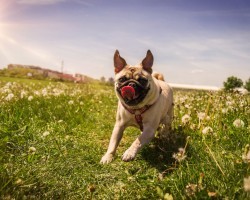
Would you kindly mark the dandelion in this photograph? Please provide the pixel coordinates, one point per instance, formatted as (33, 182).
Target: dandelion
(238, 123)
(32, 149)
(44, 92)
(37, 93)
(246, 154)
(247, 184)
(185, 119)
(193, 126)
(9, 97)
(180, 156)
(191, 189)
(224, 110)
(46, 133)
(19, 182)
(23, 94)
(201, 115)
(207, 130)
(30, 98)
(71, 102)
(229, 103)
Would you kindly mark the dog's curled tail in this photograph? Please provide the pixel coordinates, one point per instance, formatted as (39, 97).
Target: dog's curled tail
(158, 76)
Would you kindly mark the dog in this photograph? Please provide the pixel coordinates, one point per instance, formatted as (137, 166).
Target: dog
(145, 101)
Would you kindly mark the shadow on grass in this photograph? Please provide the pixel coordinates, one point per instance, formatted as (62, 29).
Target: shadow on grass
(159, 153)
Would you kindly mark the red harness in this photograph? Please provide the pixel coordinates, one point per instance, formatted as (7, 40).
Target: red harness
(138, 113)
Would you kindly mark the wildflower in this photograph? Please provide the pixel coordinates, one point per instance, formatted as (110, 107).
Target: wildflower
(246, 154)
(71, 102)
(30, 98)
(247, 184)
(185, 119)
(23, 93)
(19, 182)
(44, 92)
(191, 189)
(229, 103)
(193, 126)
(212, 194)
(180, 156)
(224, 110)
(46, 133)
(81, 103)
(37, 93)
(32, 149)
(238, 123)
(207, 130)
(201, 115)
(9, 97)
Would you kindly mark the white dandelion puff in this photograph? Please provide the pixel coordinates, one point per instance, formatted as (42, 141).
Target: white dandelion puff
(185, 119)
(246, 154)
(30, 98)
(238, 123)
(247, 184)
(32, 149)
(9, 97)
(201, 115)
(46, 133)
(207, 130)
(180, 155)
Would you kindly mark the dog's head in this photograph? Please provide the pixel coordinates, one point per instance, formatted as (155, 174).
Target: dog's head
(132, 83)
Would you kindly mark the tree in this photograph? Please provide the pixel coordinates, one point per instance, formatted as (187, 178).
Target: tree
(111, 81)
(247, 85)
(232, 82)
(102, 79)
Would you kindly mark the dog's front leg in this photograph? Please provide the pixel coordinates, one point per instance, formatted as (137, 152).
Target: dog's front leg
(146, 136)
(113, 143)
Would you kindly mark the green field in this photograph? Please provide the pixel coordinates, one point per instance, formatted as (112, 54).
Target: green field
(53, 135)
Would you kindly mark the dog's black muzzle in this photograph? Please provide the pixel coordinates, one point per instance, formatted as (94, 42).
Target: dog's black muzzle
(141, 91)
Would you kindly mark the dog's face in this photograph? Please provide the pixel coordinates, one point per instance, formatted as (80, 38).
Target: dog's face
(132, 83)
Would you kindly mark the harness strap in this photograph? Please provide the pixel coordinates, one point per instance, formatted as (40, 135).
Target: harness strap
(138, 113)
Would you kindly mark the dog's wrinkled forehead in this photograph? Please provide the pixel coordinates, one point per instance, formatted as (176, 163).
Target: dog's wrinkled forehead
(134, 72)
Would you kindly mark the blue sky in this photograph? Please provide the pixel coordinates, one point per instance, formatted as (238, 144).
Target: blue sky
(199, 42)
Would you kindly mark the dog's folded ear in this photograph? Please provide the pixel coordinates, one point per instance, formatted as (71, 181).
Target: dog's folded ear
(147, 62)
(119, 62)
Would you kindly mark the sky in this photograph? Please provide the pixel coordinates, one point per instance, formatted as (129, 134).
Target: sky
(197, 42)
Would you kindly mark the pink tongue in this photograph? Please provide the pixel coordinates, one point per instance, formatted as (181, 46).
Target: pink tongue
(128, 92)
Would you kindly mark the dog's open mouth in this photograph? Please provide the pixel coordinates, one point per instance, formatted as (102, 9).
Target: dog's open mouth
(132, 92)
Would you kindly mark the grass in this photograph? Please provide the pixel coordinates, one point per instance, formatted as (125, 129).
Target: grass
(53, 135)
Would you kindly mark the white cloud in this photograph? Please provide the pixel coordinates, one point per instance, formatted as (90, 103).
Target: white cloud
(40, 2)
(196, 71)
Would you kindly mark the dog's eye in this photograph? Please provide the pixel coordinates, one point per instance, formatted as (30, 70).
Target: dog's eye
(122, 79)
(143, 81)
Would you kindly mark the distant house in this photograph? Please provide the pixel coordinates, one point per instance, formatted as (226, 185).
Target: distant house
(79, 78)
(51, 74)
(67, 77)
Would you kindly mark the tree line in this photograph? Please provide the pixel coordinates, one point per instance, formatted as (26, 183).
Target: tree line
(233, 82)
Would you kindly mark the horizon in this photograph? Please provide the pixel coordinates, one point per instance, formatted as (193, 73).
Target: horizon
(193, 43)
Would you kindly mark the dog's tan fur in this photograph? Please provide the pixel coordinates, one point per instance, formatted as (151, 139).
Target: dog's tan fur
(160, 96)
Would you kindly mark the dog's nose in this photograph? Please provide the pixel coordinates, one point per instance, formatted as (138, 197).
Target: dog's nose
(132, 85)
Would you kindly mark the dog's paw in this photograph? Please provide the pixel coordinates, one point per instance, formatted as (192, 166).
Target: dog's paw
(129, 155)
(107, 158)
